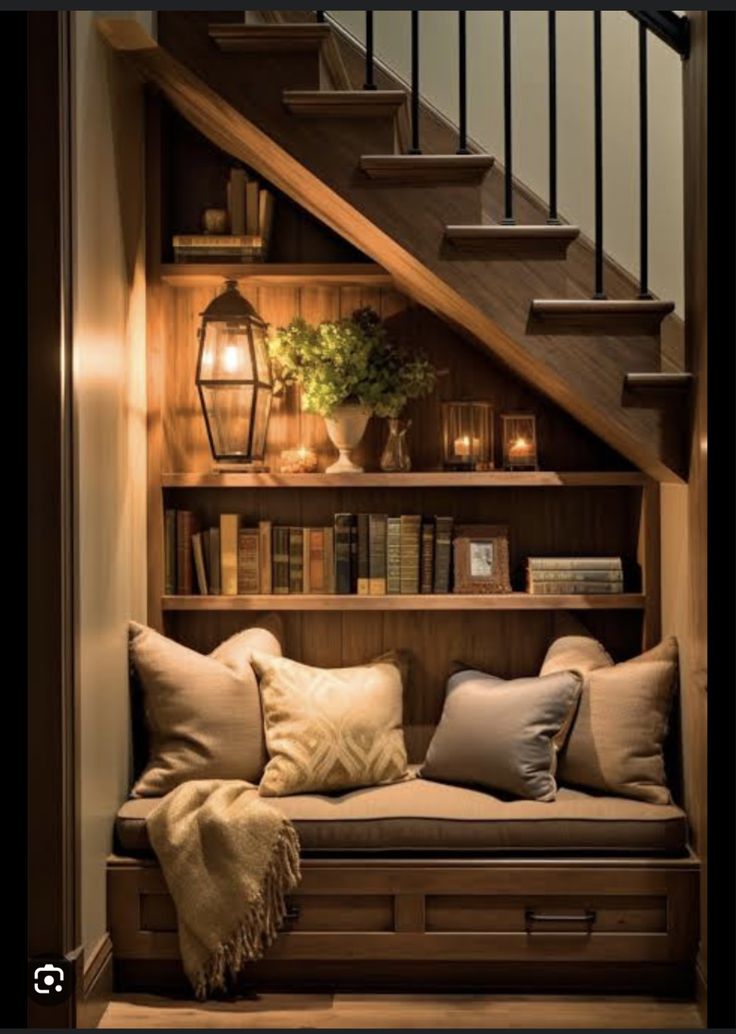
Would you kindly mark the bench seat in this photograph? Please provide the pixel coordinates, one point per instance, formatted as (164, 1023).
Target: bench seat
(423, 816)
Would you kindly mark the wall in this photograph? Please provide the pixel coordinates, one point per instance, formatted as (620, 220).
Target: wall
(110, 443)
(684, 507)
(439, 75)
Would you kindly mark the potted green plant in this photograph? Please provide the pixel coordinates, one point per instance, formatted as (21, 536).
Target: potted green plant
(348, 370)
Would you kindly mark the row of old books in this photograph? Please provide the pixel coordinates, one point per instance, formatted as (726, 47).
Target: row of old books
(367, 554)
(574, 575)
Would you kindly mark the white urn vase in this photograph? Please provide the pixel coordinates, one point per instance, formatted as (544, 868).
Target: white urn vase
(346, 426)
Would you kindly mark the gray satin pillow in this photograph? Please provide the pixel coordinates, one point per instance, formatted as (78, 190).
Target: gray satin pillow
(500, 734)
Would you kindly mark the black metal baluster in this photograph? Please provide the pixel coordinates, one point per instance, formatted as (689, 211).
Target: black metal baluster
(643, 167)
(507, 149)
(598, 117)
(369, 84)
(552, 49)
(462, 142)
(320, 15)
(415, 148)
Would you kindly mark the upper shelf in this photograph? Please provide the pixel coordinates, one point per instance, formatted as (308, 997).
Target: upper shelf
(415, 479)
(197, 274)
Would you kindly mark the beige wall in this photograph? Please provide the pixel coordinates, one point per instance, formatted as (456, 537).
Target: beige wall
(109, 406)
(438, 77)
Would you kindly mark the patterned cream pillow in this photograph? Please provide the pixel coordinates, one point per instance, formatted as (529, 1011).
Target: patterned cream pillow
(330, 728)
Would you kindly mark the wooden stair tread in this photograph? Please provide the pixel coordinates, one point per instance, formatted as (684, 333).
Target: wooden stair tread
(658, 381)
(427, 168)
(513, 241)
(238, 37)
(605, 316)
(344, 103)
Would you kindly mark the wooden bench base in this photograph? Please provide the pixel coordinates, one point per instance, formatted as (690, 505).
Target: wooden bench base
(502, 924)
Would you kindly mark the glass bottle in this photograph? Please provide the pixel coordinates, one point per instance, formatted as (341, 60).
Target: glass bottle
(395, 456)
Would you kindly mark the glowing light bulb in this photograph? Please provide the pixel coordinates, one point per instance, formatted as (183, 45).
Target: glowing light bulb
(231, 359)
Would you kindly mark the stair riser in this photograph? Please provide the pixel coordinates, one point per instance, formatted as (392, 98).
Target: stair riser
(378, 133)
(268, 73)
(432, 200)
(505, 251)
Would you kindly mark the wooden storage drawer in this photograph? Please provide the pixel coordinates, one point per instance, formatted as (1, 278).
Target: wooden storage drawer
(538, 914)
(307, 912)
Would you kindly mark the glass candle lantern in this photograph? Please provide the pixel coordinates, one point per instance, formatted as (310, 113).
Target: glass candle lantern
(234, 380)
(467, 432)
(519, 441)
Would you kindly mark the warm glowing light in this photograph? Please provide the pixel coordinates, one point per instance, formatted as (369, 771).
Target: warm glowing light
(231, 359)
(520, 447)
(466, 446)
(301, 460)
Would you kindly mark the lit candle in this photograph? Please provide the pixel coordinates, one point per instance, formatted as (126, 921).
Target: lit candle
(520, 448)
(301, 460)
(466, 447)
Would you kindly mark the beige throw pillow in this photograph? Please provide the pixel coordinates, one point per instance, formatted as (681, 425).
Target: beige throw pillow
(203, 713)
(330, 729)
(573, 648)
(616, 742)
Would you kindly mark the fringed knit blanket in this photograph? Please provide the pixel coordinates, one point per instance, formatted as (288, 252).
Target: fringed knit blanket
(228, 859)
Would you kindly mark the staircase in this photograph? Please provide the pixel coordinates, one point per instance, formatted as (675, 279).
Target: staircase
(266, 94)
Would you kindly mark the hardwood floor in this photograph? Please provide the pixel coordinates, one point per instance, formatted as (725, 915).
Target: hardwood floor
(410, 1010)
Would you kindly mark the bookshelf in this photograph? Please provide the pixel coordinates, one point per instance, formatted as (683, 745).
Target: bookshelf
(427, 602)
(588, 500)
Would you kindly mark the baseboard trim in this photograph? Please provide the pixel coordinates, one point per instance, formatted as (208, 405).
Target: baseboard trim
(93, 995)
(701, 994)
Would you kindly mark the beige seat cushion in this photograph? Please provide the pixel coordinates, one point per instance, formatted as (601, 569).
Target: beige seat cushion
(331, 728)
(202, 713)
(616, 742)
(422, 816)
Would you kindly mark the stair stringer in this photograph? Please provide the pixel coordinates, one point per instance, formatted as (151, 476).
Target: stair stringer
(589, 386)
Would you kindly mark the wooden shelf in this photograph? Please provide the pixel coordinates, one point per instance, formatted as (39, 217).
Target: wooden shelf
(504, 601)
(197, 274)
(415, 479)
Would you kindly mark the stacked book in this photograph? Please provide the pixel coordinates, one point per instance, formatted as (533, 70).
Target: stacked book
(250, 213)
(572, 575)
(367, 554)
(208, 247)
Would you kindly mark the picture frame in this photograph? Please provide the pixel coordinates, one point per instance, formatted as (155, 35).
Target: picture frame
(481, 555)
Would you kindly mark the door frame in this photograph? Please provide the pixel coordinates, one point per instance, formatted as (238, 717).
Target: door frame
(52, 833)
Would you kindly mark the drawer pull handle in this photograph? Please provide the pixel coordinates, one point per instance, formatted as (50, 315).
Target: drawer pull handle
(531, 917)
(292, 913)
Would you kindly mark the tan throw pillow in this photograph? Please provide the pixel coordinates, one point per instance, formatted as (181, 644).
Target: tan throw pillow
(330, 729)
(573, 648)
(203, 713)
(616, 741)
(500, 734)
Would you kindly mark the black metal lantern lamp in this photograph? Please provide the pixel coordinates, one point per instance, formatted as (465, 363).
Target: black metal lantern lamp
(234, 380)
